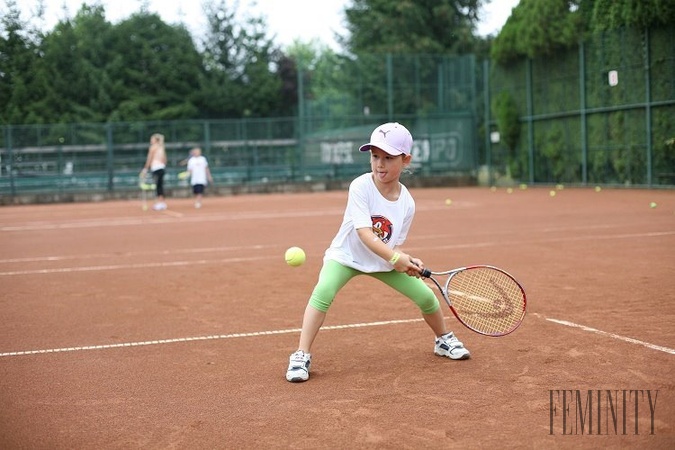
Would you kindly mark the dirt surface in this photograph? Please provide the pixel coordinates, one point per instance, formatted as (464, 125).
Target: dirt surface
(126, 329)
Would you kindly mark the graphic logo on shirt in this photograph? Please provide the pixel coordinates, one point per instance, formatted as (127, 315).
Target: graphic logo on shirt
(382, 227)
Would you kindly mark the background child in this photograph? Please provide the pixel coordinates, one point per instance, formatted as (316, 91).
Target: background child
(200, 174)
(376, 222)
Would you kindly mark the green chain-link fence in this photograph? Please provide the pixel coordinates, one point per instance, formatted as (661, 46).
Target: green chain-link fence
(601, 113)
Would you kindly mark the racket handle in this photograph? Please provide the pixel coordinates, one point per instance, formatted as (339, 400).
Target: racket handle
(426, 273)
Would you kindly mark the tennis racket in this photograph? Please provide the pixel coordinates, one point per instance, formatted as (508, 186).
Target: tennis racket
(147, 185)
(484, 298)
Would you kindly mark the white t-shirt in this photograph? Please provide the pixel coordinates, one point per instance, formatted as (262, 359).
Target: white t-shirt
(197, 166)
(367, 208)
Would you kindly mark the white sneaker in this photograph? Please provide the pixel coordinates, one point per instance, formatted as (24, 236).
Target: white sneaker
(159, 206)
(448, 345)
(198, 205)
(298, 367)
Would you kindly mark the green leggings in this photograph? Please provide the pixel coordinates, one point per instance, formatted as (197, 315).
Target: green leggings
(334, 276)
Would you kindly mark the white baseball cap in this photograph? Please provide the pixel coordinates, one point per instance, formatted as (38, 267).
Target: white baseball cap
(391, 137)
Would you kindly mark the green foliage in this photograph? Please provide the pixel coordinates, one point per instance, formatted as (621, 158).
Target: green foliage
(154, 65)
(615, 14)
(538, 28)
(18, 55)
(542, 27)
(237, 58)
(558, 155)
(325, 78)
(412, 26)
(506, 112)
(89, 70)
(71, 75)
(615, 139)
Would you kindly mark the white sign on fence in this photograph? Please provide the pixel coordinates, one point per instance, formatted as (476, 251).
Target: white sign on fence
(613, 77)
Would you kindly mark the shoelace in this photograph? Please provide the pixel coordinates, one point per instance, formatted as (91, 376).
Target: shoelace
(452, 341)
(299, 358)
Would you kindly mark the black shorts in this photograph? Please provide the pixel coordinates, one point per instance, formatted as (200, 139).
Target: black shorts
(197, 188)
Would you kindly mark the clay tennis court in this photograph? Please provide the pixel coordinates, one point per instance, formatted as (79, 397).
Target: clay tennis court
(125, 329)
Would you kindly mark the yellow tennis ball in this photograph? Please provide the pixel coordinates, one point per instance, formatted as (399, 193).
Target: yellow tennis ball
(598, 189)
(295, 256)
(448, 201)
(652, 205)
(552, 193)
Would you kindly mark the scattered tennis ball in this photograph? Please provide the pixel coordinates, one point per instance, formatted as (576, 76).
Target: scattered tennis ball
(145, 207)
(509, 191)
(552, 193)
(523, 186)
(652, 205)
(295, 256)
(559, 187)
(448, 201)
(598, 189)
(493, 188)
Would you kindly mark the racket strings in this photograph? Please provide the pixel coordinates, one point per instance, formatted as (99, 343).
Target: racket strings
(487, 300)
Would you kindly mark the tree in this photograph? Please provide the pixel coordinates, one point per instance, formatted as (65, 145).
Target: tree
(71, 74)
(613, 14)
(412, 26)
(541, 27)
(538, 28)
(325, 78)
(18, 56)
(154, 68)
(240, 66)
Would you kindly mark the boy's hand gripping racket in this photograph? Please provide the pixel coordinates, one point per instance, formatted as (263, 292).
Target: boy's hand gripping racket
(484, 298)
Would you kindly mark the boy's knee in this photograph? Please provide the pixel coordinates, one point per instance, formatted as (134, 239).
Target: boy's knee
(319, 304)
(429, 305)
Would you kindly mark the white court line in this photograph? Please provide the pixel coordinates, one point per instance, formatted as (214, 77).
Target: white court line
(131, 266)
(611, 335)
(297, 330)
(141, 253)
(172, 213)
(205, 261)
(200, 338)
(167, 218)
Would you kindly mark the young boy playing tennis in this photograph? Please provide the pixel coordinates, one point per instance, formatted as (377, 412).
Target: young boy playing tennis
(376, 222)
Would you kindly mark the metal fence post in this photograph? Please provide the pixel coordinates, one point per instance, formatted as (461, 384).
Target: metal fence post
(530, 121)
(648, 104)
(110, 157)
(486, 93)
(10, 165)
(390, 88)
(582, 116)
(207, 137)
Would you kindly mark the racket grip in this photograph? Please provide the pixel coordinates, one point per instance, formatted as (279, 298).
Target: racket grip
(426, 273)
